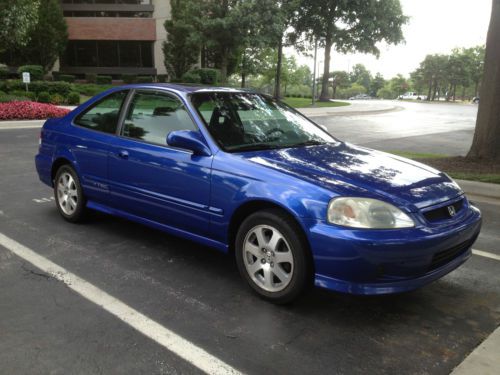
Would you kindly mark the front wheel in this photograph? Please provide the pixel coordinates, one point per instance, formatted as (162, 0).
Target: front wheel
(272, 256)
(69, 195)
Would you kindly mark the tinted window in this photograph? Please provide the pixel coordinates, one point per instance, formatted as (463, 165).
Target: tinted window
(104, 115)
(152, 115)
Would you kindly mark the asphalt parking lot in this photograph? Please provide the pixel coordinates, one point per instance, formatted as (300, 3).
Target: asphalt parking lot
(196, 292)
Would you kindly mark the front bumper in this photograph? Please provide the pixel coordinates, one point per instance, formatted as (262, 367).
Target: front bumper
(360, 261)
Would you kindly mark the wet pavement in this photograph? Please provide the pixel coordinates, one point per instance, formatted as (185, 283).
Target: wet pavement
(197, 293)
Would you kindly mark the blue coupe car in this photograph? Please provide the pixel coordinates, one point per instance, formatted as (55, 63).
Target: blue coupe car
(248, 175)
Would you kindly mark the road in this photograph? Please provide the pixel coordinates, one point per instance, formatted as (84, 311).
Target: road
(196, 292)
(418, 127)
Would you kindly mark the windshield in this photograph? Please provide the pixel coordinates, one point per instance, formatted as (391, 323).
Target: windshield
(247, 122)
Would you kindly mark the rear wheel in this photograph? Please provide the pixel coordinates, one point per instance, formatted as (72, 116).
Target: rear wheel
(68, 194)
(272, 256)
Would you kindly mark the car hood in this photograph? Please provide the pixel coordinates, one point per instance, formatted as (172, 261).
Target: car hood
(346, 169)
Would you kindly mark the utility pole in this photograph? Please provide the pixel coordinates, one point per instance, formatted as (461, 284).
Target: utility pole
(314, 72)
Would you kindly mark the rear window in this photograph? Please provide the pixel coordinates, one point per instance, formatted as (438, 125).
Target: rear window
(103, 116)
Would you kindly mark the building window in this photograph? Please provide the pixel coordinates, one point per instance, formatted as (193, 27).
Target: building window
(104, 53)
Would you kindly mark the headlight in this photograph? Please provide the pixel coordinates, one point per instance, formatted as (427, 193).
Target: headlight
(367, 213)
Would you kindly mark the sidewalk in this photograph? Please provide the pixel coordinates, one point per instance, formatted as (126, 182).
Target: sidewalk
(356, 108)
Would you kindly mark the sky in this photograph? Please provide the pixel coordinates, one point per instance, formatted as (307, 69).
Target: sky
(435, 26)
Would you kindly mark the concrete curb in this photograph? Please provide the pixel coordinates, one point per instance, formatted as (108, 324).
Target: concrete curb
(330, 112)
(21, 124)
(480, 188)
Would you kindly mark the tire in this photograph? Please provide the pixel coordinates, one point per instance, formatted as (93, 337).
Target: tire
(273, 256)
(68, 194)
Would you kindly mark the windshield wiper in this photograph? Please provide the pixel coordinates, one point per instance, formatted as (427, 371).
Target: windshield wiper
(254, 147)
(310, 142)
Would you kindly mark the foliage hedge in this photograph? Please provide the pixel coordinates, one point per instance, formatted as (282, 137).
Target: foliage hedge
(205, 76)
(91, 78)
(36, 71)
(129, 78)
(26, 110)
(104, 80)
(73, 98)
(67, 78)
(145, 79)
(4, 71)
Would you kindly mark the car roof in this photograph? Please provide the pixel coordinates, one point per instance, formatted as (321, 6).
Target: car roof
(189, 88)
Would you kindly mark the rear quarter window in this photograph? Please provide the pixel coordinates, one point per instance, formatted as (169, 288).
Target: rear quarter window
(103, 116)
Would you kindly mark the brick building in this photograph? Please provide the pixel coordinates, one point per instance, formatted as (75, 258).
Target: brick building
(114, 37)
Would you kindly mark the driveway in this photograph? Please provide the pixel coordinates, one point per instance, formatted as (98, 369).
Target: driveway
(418, 127)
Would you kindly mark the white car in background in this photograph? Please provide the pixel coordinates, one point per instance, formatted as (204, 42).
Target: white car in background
(410, 95)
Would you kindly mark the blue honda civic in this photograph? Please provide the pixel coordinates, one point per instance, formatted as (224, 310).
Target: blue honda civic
(248, 175)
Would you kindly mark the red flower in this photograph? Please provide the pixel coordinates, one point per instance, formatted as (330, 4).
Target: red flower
(30, 111)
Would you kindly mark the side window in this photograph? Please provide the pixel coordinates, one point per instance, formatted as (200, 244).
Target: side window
(103, 116)
(153, 115)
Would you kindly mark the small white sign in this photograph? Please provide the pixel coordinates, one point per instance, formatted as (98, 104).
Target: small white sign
(26, 77)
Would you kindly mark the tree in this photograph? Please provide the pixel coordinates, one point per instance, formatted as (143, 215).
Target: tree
(477, 66)
(361, 76)
(48, 37)
(340, 79)
(182, 47)
(349, 25)
(486, 142)
(399, 85)
(17, 18)
(378, 82)
(433, 71)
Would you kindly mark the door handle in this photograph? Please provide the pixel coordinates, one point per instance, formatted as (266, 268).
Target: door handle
(123, 154)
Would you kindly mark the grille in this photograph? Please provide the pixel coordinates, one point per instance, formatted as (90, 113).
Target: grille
(443, 257)
(442, 213)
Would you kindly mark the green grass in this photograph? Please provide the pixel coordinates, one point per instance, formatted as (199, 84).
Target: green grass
(306, 103)
(417, 155)
(487, 177)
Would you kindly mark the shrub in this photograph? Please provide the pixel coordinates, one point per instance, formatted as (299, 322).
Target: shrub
(56, 99)
(191, 77)
(145, 79)
(36, 71)
(11, 98)
(162, 78)
(208, 76)
(26, 110)
(24, 94)
(73, 98)
(55, 76)
(129, 78)
(44, 97)
(103, 80)
(67, 78)
(4, 71)
(91, 78)
(90, 89)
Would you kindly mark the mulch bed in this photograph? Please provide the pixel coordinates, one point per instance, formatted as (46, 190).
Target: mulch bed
(461, 164)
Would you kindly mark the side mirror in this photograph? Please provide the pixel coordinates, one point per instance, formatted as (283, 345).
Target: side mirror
(189, 140)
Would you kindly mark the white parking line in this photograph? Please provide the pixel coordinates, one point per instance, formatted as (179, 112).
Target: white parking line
(148, 327)
(485, 254)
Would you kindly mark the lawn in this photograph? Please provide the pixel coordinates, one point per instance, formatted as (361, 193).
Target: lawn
(306, 103)
(457, 166)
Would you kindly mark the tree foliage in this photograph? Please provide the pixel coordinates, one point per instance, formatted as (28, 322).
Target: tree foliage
(182, 47)
(350, 25)
(17, 18)
(48, 37)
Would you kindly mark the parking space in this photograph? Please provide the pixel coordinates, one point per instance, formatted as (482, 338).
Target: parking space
(196, 293)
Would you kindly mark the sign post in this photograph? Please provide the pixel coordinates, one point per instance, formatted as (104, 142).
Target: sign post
(26, 79)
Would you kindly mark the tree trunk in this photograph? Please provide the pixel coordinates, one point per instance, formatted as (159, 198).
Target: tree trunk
(325, 96)
(334, 91)
(277, 80)
(486, 142)
(454, 91)
(429, 93)
(243, 71)
(223, 66)
(476, 89)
